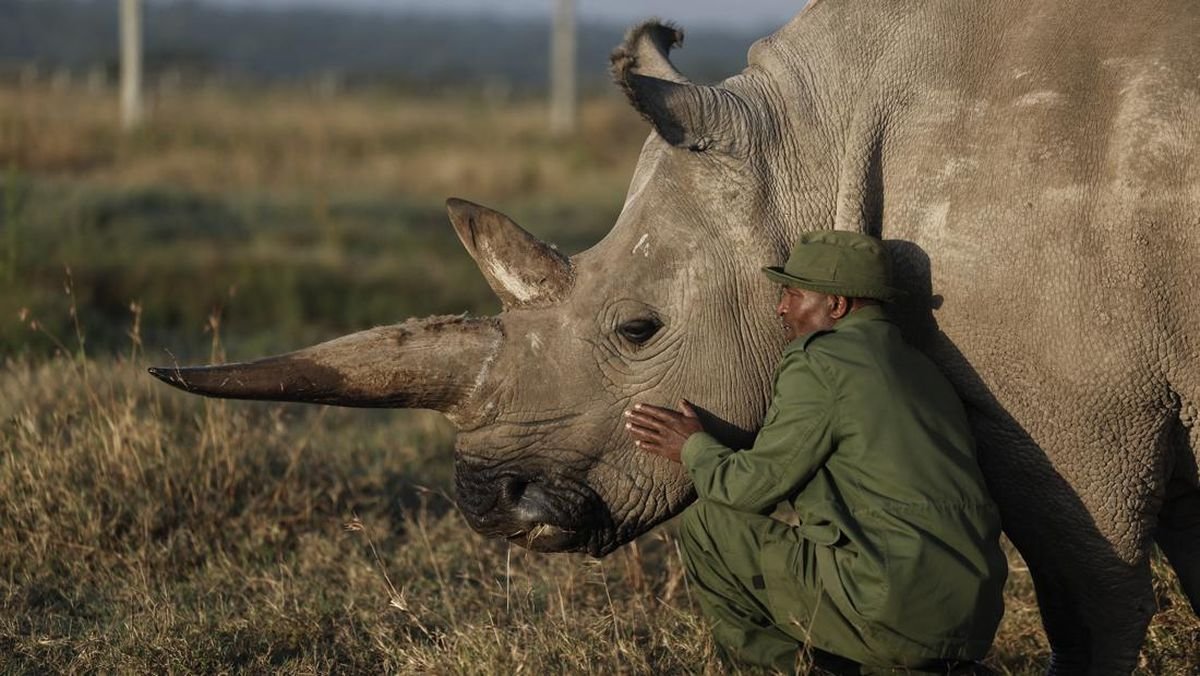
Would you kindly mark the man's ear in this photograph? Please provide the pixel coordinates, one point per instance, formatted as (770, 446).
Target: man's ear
(839, 306)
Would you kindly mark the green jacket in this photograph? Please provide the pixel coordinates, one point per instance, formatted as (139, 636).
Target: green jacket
(871, 445)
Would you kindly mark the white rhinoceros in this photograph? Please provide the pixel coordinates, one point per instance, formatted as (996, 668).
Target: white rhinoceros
(1035, 168)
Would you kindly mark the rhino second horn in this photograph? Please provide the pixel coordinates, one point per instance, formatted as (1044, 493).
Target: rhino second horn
(434, 363)
(686, 115)
(645, 51)
(522, 270)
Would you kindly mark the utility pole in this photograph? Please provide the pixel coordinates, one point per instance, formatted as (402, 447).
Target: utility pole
(563, 106)
(131, 64)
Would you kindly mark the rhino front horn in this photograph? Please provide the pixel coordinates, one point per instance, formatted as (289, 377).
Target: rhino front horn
(522, 270)
(432, 363)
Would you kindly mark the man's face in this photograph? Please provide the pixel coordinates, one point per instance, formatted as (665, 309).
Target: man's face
(803, 311)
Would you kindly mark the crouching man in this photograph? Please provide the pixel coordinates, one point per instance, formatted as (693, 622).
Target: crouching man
(896, 561)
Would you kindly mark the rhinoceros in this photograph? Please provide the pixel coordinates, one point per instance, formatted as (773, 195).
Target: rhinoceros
(1033, 168)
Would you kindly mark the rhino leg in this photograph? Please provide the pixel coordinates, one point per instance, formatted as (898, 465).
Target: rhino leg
(1095, 621)
(1093, 586)
(1178, 532)
(1095, 607)
(1178, 536)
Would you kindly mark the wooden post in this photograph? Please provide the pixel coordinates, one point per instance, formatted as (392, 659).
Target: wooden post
(563, 107)
(131, 64)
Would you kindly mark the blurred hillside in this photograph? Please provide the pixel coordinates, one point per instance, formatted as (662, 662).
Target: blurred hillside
(420, 52)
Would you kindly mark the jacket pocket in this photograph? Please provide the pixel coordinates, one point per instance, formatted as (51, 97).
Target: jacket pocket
(793, 588)
(857, 582)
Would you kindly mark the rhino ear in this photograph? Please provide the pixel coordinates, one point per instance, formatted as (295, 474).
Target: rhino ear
(522, 270)
(686, 115)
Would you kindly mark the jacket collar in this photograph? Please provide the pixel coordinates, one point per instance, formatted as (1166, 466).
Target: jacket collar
(862, 314)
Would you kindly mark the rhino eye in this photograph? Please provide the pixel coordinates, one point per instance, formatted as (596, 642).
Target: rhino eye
(638, 331)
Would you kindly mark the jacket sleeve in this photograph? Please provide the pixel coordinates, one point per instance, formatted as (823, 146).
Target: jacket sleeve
(794, 442)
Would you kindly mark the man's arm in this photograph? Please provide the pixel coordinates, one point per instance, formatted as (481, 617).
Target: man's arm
(792, 445)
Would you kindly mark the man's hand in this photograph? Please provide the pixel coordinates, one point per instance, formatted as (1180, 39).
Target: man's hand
(660, 430)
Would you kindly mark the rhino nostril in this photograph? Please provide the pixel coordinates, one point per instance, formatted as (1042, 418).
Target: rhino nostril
(514, 489)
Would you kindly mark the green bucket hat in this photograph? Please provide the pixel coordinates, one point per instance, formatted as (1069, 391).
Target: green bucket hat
(838, 263)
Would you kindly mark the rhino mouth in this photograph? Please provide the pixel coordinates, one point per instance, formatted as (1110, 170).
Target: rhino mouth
(542, 514)
(546, 537)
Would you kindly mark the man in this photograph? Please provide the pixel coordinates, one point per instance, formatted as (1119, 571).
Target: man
(896, 560)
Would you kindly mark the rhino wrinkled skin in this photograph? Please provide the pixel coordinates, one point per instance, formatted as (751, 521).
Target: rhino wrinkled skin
(1033, 168)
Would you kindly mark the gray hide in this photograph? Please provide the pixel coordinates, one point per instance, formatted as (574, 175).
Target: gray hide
(1034, 169)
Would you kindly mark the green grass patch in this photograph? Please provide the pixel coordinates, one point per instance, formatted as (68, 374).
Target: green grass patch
(277, 272)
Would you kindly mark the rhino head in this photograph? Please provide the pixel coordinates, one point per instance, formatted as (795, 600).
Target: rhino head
(669, 304)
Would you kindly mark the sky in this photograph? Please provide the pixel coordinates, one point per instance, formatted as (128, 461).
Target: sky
(767, 14)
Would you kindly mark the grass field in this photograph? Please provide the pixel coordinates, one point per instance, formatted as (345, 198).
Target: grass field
(142, 530)
(298, 217)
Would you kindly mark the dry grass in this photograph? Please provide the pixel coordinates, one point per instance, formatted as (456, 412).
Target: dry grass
(144, 530)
